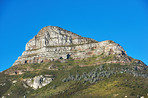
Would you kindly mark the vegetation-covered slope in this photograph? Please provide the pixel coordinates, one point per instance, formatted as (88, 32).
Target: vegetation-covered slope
(77, 79)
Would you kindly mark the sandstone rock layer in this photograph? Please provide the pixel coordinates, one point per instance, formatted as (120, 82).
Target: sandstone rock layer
(53, 43)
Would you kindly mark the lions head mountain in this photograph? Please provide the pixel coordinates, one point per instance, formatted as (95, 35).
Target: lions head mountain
(53, 43)
(58, 63)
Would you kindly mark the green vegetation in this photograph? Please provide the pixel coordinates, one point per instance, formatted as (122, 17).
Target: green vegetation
(78, 79)
(117, 86)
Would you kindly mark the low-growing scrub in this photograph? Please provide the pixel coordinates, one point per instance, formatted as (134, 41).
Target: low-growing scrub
(73, 80)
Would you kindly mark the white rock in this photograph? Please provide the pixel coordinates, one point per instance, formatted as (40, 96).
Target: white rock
(14, 81)
(52, 43)
(38, 81)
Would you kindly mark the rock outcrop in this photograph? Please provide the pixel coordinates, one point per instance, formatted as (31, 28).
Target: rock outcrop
(53, 43)
(37, 81)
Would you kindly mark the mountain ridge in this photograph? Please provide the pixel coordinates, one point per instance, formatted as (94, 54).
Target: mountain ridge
(53, 43)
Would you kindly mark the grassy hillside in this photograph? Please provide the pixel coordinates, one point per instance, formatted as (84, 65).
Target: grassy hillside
(77, 79)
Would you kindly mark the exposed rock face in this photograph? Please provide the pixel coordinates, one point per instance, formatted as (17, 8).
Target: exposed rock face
(53, 43)
(55, 37)
(38, 81)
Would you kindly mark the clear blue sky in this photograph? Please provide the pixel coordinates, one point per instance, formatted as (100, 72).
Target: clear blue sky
(123, 21)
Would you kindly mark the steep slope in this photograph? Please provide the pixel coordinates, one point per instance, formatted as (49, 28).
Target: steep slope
(73, 81)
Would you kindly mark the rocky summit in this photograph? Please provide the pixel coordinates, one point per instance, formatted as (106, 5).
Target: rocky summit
(53, 43)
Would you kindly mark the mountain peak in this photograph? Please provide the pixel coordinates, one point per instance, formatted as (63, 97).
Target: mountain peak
(54, 43)
(55, 36)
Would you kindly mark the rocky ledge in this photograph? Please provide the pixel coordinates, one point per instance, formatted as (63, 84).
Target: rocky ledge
(53, 43)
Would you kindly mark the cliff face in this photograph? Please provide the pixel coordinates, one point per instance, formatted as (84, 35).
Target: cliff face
(52, 36)
(53, 43)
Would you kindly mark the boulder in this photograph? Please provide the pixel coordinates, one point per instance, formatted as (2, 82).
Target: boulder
(38, 81)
